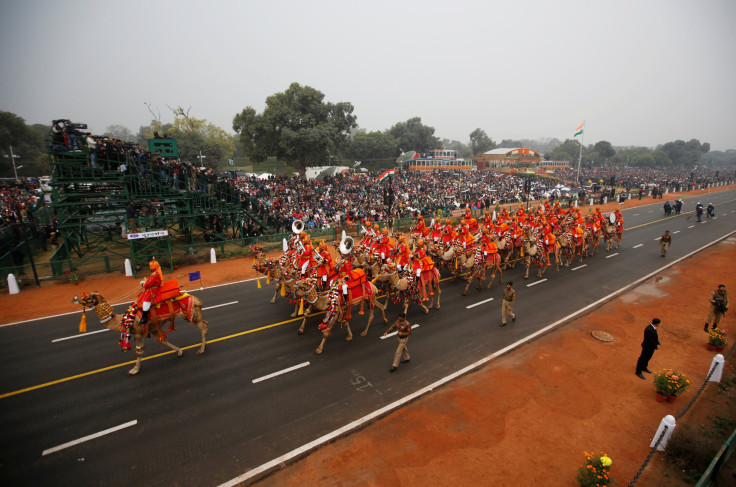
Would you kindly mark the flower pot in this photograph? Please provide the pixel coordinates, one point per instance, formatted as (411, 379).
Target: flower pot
(710, 347)
(719, 348)
(660, 397)
(671, 398)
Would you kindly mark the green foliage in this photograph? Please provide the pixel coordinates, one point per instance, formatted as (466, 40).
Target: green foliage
(669, 382)
(480, 142)
(413, 135)
(297, 126)
(119, 132)
(567, 151)
(372, 147)
(723, 424)
(683, 153)
(604, 149)
(596, 471)
(27, 142)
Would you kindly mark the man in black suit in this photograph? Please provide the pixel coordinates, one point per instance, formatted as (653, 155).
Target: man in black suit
(648, 346)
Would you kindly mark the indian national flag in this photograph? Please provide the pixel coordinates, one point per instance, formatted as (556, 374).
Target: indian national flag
(579, 130)
(386, 175)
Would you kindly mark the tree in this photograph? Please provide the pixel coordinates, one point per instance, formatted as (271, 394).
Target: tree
(119, 132)
(297, 127)
(480, 142)
(510, 144)
(27, 142)
(567, 151)
(372, 147)
(604, 149)
(194, 136)
(413, 135)
(683, 153)
(462, 149)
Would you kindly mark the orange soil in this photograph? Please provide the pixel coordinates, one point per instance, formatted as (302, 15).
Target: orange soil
(525, 418)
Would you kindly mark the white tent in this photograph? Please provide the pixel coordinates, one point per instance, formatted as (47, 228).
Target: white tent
(265, 175)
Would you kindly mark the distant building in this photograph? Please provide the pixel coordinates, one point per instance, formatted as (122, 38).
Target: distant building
(516, 158)
(440, 160)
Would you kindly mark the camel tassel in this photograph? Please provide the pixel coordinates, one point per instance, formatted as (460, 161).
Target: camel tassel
(301, 306)
(374, 279)
(283, 289)
(258, 280)
(83, 323)
(268, 277)
(361, 312)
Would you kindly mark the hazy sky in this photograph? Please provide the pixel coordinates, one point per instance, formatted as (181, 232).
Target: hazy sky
(637, 72)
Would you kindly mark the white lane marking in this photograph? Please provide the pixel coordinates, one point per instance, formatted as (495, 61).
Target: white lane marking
(368, 418)
(612, 255)
(271, 376)
(691, 226)
(579, 267)
(479, 303)
(676, 231)
(650, 211)
(637, 246)
(89, 437)
(219, 305)
(635, 214)
(79, 336)
(535, 283)
(393, 333)
(656, 239)
(100, 331)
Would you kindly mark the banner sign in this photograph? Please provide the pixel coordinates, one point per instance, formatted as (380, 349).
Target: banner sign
(194, 276)
(154, 234)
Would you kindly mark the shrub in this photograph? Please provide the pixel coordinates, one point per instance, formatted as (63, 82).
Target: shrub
(690, 449)
(595, 472)
(669, 382)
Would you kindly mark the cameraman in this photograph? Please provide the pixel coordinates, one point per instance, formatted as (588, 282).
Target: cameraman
(718, 306)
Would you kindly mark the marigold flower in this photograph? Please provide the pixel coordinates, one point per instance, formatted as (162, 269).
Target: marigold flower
(606, 461)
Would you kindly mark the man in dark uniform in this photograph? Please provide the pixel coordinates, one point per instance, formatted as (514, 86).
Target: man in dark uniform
(648, 346)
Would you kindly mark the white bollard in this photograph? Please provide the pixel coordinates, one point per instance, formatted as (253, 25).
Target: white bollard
(669, 422)
(576, 203)
(718, 364)
(629, 196)
(667, 190)
(605, 200)
(13, 285)
(213, 257)
(128, 268)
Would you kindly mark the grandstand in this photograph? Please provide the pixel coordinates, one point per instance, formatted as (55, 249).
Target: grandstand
(106, 204)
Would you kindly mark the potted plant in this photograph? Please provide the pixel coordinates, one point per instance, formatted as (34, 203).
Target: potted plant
(669, 383)
(717, 339)
(595, 471)
(73, 277)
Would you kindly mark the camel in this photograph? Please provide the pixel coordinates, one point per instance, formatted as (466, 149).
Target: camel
(477, 264)
(187, 306)
(407, 288)
(612, 232)
(339, 306)
(281, 273)
(532, 254)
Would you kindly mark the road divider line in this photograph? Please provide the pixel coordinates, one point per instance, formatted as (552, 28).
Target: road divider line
(637, 246)
(219, 305)
(393, 333)
(79, 336)
(478, 303)
(89, 437)
(691, 226)
(612, 255)
(579, 267)
(368, 418)
(280, 372)
(656, 239)
(676, 231)
(636, 214)
(535, 283)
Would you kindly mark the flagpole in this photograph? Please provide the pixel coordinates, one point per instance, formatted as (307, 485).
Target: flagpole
(580, 158)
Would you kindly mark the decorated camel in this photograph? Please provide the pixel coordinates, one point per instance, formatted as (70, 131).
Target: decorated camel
(403, 286)
(178, 304)
(281, 274)
(340, 299)
(477, 265)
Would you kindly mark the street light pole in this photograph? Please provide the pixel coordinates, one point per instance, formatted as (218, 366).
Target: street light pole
(13, 157)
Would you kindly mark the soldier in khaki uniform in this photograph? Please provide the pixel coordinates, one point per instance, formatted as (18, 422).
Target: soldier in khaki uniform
(403, 328)
(507, 303)
(718, 306)
(664, 242)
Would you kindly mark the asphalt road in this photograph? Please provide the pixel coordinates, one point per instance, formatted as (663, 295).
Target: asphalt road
(72, 416)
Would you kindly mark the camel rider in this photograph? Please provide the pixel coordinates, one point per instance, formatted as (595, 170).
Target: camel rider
(425, 264)
(306, 257)
(150, 286)
(403, 250)
(488, 242)
(385, 244)
(421, 227)
(549, 242)
(466, 239)
(324, 269)
(619, 220)
(473, 226)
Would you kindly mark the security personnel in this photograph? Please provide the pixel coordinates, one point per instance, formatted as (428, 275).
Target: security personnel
(403, 329)
(664, 242)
